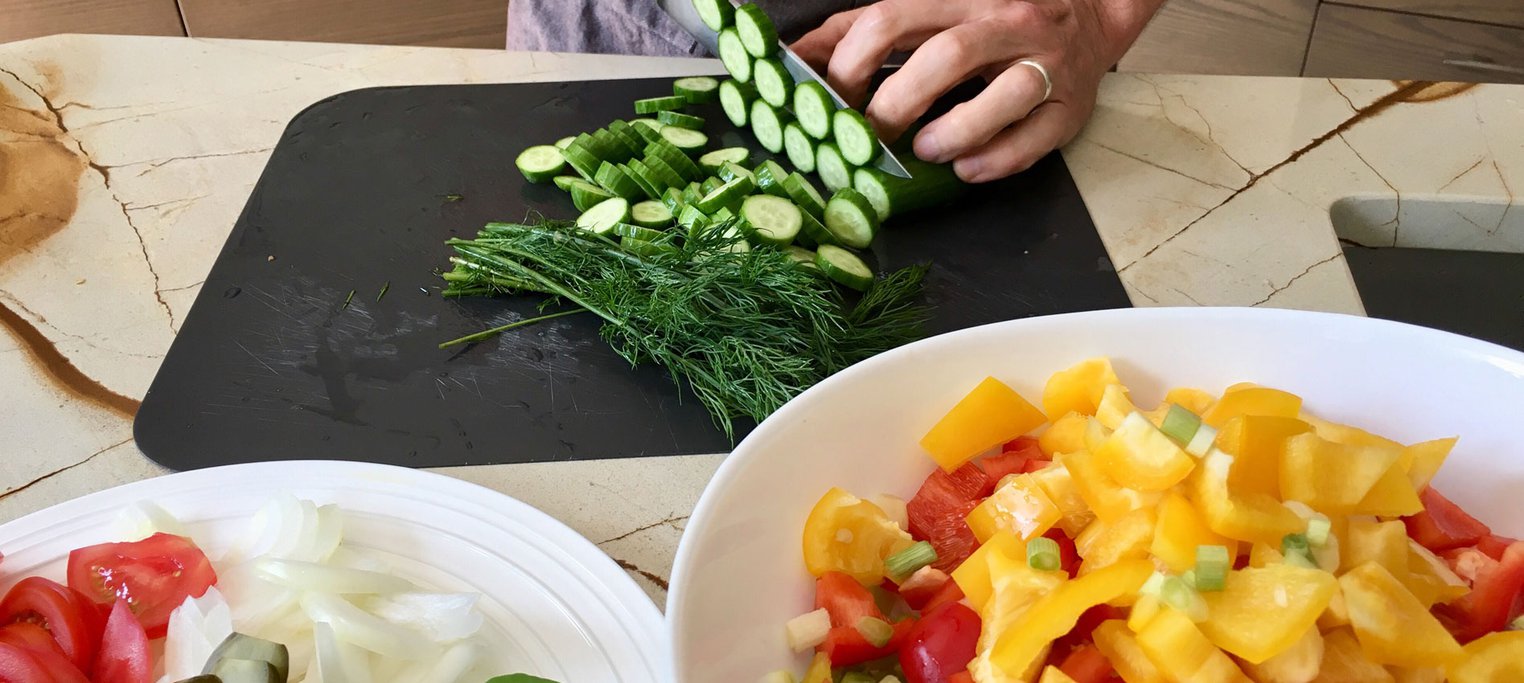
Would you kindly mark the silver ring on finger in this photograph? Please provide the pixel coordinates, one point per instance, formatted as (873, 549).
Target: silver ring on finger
(1047, 82)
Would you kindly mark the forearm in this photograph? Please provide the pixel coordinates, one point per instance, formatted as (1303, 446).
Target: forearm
(1122, 21)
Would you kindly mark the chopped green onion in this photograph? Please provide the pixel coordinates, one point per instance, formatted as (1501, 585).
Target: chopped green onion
(1294, 543)
(1189, 577)
(1180, 424)
(874, 630)
(779, 676)
(1154, 584)
(1212, 565)
(856, 677)
(1183, 598)
(1317, 530)
(902, 564)
(1042, 554)
(1301, 560)
(807, 630)
(1201, 443)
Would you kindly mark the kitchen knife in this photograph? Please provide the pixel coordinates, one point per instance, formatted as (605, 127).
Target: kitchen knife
(688, 18)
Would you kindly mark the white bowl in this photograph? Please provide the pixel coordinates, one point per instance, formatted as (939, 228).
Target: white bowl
(739, 574)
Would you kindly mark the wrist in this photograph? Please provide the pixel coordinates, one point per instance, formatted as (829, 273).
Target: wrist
(1122, 21)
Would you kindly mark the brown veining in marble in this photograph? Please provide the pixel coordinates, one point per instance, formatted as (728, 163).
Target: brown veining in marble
(60, 368)
(1428, 91)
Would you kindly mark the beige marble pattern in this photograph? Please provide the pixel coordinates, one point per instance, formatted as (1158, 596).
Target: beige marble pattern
(125, 161)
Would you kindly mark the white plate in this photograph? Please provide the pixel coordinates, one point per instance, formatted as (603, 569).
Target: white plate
(739, 576)
(554, 604)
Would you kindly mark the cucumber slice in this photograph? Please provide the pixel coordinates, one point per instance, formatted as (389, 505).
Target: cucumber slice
(672, 118)
(734, 56)
(756, 31)
(662, 174)
(563, 142)
(726, 196)
(723, 214)
(649, 129)
(610, 177)
(813, 232)
(851, 219)
(713, 161)
(802, 256)
(774, 83)
(675, 158)
(855, 137)
(241, 646)
(641, 247)
(672, 199)
(628, 135)
(685, 139)
(767, 126)
(692, 194)
(605, 215)
(799, 147)
(709, 184)
(803, 193)
(814, 106)
(931, 185)
(584, 162)
(735, 99)
(585, 195)
(651, 105)
(619, 150)
(638, 172)
(696, 89)
(631, 230)
(692, 218)
(594, 146)
(833, 170)
(730, 172)
(769, 176)
(231, 670)
(843, 267)
(771, 220)
(564, 182)
(716, 14)
(651, 214)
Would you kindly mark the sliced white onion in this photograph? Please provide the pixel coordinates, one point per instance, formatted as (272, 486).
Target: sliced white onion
(345, 556)
(255, 603)
(195, 628)
(451, 667)
(330, 532)
(143, 519)
(264, 530)
(311, 576)
(443, 617)
(358, 627)
(337, 661)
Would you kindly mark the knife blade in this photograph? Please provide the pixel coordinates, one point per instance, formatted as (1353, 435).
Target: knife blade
(686, 16)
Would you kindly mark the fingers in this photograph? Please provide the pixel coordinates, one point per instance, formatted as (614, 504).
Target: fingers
(815, 47)
(942, 62)
(1009, 98)
(882, 28)
(1015, 149)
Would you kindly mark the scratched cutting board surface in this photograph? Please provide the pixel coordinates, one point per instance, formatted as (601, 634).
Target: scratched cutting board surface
(360, 194)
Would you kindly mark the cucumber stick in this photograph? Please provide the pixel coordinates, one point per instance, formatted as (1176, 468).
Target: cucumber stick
(771, 220)
(734, 56)
(930, 185)
(736, 98)
(850, 219)
(696, 89)
(540, 163)
(844, 267)
(605, 215)
(756, 31)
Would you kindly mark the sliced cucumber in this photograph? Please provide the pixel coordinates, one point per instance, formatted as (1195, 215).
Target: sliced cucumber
(672, 198)
(710, 184)
(563, 142)
(804, 194)
(638, 232)
(734, 56)
(605, 215)
(650, 129)
(771, 220)
(585, 195)
(692, 194)
(756, 31)
(641, 247)
(716, 14)
(736, 98)
(855, 137)
(592, 146)
(675, 158)
(726, 196)
(813, 232)
(618, 148)
(814, 106)
(774, 83)
(651, 105)
(834, 171)
(843, 267)
(730, 172)
(767, 126)
(930, 185)
(672, 118)
(651, 214)
(685, 139)
(564, 182)
(584, 162)
(241, 646)
(739, 246)
(638, 172)
(696, 89)
(627, 134)
(692, 218)
(851, 219)
(663, 175)
(712, 161)
(611, 178)
(230, 670)
(770, 175)
(802, 256)
(799, 147)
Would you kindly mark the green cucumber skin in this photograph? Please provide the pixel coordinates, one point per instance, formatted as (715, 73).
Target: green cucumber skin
(931, 185)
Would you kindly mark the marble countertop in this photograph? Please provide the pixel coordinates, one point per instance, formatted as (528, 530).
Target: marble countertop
(125, 161)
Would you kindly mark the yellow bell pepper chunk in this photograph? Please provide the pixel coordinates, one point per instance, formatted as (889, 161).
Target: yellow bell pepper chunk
(1114, 407)
(1183, 654)
(1143, 611)
(1018, 588)
(1194, 400)
(1344, 662)
(1079, 388)
(1096, 434)
(1262, 555)
(1065, 435)
(1256, 442)
(1248, 517)
(1424, 459)
(1058, 483)
(1337, 614)
(1252, 401)
(1425, 675)
(1331, 477)
(847, 534)
(973, 575)
(1492, 658)
(991, 414)
(1296, 664)
(1105, 543)
(1139, 456)
(1019, 506)
(820, 669)
(1392, 496)
(1385, 543)
(1121, 648)
(1430, 578)
(1108, 499)
(1345, 434)
(1017, 647)
(1262, 612)
(1180, 530)
(1053, 674)
(1393, 626)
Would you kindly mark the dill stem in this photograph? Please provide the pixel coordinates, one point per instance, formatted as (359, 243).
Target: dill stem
(488, 334)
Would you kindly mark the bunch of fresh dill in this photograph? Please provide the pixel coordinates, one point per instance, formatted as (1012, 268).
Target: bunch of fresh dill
(746, 330)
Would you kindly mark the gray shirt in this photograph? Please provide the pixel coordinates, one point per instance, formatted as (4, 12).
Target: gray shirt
(639, 27)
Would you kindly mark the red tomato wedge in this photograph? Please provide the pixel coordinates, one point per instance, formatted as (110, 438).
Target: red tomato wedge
(67, 616)
(1016, 457)
(1443, 525)
(22, 665)
(961, 677)
(922, 586)
(938, 510)
(844, 599)
(941, 645)
(1494, 545)
(846, 646)
(28, 635)
(123, 656)
(950, 593)
(1086, 664)
(154, 575)
(1494, 597)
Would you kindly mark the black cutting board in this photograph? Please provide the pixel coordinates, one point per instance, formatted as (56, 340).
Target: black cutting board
(1476, 293)
(360, 194)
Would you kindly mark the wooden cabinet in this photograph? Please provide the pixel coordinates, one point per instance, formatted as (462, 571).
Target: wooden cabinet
(1354, 42)
(1501, 12)
(1244, 37)
(31, 18)
(445, 23)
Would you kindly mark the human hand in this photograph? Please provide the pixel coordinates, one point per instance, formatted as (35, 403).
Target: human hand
(1007, 127)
